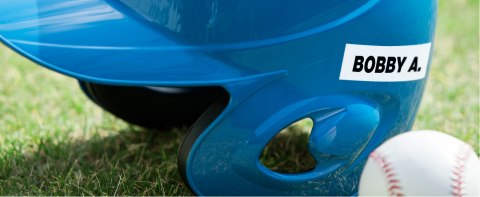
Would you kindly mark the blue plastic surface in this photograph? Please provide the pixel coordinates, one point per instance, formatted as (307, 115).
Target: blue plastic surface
(280, 61)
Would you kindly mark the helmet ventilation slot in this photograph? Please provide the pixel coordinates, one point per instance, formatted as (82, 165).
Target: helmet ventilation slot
(288, 151)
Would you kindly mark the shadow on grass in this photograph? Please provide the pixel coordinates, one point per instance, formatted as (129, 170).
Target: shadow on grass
(133, 162)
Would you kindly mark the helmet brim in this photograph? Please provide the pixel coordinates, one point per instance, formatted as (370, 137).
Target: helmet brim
(101, 42)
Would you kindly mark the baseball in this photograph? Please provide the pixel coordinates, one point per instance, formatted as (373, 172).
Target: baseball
(421, 163)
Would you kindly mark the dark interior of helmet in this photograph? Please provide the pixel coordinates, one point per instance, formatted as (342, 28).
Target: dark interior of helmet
(154, 107)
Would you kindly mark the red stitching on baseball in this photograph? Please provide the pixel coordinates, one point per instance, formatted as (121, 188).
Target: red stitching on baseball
(461, 159)
(394, 188)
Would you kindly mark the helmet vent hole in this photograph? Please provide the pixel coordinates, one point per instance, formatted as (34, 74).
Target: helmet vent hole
(288, 151)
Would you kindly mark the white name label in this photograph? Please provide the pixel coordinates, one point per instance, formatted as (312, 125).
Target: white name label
(385, 63)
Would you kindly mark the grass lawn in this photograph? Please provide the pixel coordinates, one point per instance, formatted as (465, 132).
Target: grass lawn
(54, 141)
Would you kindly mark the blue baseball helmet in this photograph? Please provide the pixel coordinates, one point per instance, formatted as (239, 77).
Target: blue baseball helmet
(240, 71)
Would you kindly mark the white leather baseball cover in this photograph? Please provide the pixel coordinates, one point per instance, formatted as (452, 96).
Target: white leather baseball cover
(422, 163)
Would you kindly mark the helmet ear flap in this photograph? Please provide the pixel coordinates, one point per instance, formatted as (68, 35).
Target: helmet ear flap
(196, 130)
(153, 107)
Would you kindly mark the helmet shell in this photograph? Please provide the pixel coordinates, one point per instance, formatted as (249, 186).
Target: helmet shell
(279, 60)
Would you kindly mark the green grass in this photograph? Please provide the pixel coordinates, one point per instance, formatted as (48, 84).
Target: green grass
(451, 101)
(54, 141)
